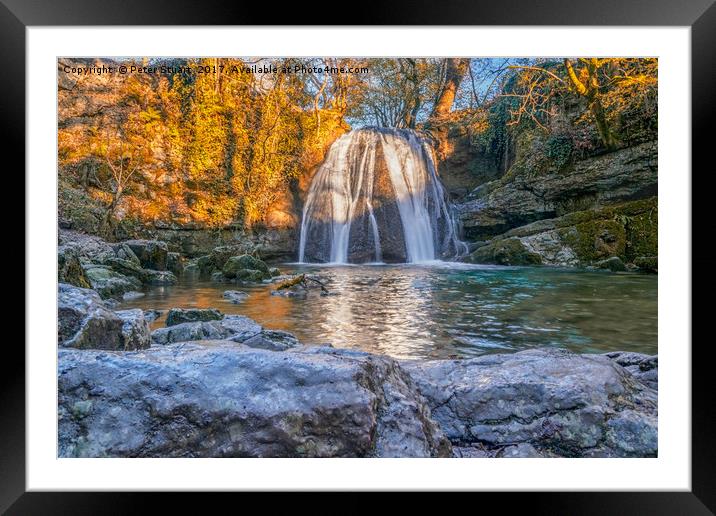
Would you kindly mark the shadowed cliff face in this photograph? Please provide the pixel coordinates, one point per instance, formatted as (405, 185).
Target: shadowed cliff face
(377, 197)
(362, 239)
(624, 175)
(362, 244)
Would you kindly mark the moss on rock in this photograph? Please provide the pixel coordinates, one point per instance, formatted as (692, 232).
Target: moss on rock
(510, 251)
(595, 240)
(246, 267)
(69, 267)
(627, 231)
(642, 234)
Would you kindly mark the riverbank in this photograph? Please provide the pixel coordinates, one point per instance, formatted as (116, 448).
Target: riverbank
(432, 310)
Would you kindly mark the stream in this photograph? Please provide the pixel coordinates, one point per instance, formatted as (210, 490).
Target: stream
(443, 309)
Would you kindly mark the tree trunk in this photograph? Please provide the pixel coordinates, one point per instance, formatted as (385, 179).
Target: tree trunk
(600, 118)
(455, 69)
(454, 72)
(590, 91)
(108, 226)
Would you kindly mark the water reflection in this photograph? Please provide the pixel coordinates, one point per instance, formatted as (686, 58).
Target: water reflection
(446, 310)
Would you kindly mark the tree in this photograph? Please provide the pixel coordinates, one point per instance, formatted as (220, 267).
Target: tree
(455, 69)
(123, 161)
(609, 86)
(588, 87)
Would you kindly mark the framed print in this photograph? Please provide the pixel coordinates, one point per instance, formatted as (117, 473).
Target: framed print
(440, 256)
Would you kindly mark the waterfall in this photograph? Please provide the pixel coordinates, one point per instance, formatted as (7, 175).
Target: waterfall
(377, 197)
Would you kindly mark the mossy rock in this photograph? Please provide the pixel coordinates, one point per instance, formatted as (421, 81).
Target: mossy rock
(175, 263)
(78, 210)
(251, 275)
(510, 251)
(124, 252)
(159, 277)
(152, 254)
(205, 265)
(126, 268)
(595, 240)
(614, 264)
(642, 235)
(69, 268)
(235, 264)
(626, 231)
(183, 315)
(220, 255)
(647, 263)
(218, 276)
(109, 283)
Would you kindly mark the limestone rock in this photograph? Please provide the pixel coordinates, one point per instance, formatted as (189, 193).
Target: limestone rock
(69, 267)
(85, 322)
(510, 251)
(614, 264)
(124, 252)
(567, 404)
(246, 267)
(224, 400)
(519, 451)
(135, 329)
(647, 263)
(90, 247)
(273, 340)
(603, 238)
(182, 315)
(175, 263)
(152, 315)
(234, 327)
(610, 178)
(109, 283)
(153, 277)
(152, 254)
(235, 296)
(641, 366)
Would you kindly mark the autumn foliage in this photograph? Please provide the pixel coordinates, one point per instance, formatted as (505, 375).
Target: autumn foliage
(219, 148)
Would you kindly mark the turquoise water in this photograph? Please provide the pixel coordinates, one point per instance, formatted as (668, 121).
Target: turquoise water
(445, 310)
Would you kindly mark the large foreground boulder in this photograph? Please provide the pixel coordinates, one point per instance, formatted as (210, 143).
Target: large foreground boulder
(219, 399)
(643, 367)
(560, 403)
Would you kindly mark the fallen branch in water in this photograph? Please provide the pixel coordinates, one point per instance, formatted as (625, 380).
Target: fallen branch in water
(291, 282)
(302, 280)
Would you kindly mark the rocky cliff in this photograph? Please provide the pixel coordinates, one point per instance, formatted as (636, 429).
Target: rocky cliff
(623, 175)
(601, 207)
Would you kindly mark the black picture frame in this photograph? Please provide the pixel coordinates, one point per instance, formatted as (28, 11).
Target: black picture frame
(700, 15)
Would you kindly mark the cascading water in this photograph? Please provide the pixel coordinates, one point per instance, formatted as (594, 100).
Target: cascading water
(376, 198)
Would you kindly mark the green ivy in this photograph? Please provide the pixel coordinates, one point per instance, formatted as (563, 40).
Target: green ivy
(559, 148)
